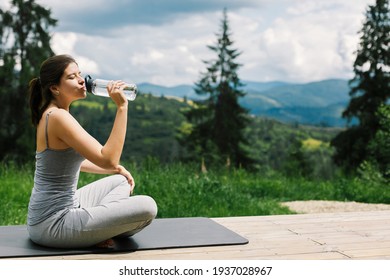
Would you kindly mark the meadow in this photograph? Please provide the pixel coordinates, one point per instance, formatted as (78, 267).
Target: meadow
(182, 190)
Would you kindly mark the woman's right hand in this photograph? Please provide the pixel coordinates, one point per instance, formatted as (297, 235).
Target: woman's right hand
(115, 90)
(124, 172)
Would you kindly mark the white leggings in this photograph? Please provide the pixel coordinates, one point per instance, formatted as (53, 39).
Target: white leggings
(106, 211)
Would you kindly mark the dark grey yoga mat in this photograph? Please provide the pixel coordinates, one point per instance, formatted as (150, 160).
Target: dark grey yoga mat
(160, 234)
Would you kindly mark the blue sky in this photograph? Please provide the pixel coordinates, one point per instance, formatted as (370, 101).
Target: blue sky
(165, 41)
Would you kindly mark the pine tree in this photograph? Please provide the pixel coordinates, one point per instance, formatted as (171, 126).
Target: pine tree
(217, 126)
(24, 44)
(379, 147)
(370, 87)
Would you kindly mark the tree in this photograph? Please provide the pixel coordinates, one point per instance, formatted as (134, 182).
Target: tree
(379, 147)
(218, 121)
(24, 44)
(370, 87)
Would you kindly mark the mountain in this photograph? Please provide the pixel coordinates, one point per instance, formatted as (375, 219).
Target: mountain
(315, 103)
(260, 86)
(316, 94)
(188, 90)
(177, 91)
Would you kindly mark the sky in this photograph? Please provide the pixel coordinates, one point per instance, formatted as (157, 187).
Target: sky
(165, 41)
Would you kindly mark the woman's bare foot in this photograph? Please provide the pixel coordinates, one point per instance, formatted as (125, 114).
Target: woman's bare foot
(105, 244)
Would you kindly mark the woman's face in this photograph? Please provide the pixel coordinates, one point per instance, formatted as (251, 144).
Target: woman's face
(72, 85)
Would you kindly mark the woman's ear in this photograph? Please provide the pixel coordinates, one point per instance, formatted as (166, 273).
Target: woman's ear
(54, 89)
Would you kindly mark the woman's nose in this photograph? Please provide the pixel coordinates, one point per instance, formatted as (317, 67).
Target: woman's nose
(80, 80)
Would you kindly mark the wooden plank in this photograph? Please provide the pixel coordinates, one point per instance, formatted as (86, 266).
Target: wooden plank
(333, 236)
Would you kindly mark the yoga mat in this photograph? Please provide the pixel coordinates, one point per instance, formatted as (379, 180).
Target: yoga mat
(160, 234)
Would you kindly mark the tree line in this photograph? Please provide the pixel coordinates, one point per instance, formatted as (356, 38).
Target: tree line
(24, 44)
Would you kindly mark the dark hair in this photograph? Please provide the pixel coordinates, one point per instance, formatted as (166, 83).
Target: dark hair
(50, 74)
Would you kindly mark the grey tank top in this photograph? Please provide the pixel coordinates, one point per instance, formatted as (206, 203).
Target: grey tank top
(55, 182)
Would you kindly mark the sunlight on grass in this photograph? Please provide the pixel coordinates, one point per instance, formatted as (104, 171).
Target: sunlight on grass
(312, 144)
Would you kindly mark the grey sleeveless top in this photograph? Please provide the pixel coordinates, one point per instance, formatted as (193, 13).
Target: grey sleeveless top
(55, 182)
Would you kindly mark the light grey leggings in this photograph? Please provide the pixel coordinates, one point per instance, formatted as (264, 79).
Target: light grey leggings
(106, 211)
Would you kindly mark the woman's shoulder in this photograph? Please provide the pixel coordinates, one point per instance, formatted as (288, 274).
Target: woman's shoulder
(60, 117)
(59, 114)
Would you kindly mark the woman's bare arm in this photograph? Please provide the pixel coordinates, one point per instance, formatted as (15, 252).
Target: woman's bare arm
(66, 128)
(89, 167)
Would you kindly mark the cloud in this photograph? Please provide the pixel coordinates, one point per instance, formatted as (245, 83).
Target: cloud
(169, 55)
(166, 41)
(64, 43)
(155, 41)
(95, 17)
(313, 41)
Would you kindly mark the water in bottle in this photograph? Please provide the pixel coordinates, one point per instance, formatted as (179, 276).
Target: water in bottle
(99, 87)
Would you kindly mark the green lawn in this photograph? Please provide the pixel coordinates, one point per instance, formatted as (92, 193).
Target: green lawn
(183, 191)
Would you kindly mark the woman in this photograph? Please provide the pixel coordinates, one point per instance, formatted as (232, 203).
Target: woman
(59, 215)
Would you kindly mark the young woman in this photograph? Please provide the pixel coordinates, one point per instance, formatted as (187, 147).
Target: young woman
(59, 214)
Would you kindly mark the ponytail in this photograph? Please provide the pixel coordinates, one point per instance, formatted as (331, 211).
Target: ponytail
(35, 91)
(40, 99)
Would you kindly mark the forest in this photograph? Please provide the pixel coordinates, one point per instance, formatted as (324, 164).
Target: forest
(154, 123)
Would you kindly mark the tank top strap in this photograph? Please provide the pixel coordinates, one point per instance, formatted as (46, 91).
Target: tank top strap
(46, 127)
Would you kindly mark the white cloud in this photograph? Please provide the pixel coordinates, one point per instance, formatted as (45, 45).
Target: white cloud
(4, 4)
(289, 40)
(299, 51)
(64, 43)
(170, 54)
(315, 41)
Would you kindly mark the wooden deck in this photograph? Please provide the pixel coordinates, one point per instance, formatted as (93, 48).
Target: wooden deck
(333, 236)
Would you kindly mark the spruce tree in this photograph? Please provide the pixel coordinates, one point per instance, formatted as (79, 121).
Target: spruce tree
(216, 133)
(370, 87)
(379, 147)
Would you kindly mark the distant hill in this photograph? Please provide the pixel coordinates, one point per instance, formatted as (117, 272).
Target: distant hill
(177, 91)
(155, 122)
(316, 103)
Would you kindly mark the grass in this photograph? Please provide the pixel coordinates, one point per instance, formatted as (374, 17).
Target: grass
(181, 190)
(312, 144)
(15, 189)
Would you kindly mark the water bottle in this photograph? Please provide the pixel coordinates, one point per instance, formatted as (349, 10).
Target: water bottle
(99, 87)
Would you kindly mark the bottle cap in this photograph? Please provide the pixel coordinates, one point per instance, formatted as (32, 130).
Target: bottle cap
(88, 83)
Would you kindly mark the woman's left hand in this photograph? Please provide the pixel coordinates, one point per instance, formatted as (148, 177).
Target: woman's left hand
(123, 171)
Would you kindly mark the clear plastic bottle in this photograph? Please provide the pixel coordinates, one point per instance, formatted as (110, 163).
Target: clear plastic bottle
(99, 87)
